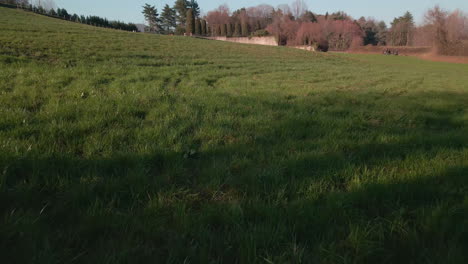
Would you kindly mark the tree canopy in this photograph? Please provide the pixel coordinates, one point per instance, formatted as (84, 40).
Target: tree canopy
(152, 18)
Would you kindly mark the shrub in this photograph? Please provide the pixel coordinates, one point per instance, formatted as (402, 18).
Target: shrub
(180, 30)
(260, 33)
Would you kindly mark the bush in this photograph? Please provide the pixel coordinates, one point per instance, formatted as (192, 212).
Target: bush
(321, 46)
(180, 30)
(260, 33)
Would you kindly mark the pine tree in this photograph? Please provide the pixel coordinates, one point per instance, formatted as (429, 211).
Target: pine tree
(152, 17)
(193, 4)
(52, 12)
(181, 7)
(75, 18)
(204, 28)
(245, 29)
(223, 30)
(382, 33)
(237, 30)
(229, 30)
(198, 29)
(216, 30)
(402, 29)
(190, 24)
(168, 19)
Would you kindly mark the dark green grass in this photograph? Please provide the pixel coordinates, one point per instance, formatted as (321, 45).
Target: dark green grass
(119, 147)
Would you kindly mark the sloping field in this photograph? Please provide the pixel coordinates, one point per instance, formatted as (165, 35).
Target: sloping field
(121, 147)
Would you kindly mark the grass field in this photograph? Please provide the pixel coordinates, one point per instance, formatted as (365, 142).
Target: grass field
(121, 147)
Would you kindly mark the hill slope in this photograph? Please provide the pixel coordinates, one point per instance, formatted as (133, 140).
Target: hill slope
(120, 147)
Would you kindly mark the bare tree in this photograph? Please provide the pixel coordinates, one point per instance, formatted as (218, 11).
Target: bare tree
(285, 9)
(261, 11)
(260, 16)
(457, 26)
(219, 16)
(298, 8)
(438, 19)
(45, 4)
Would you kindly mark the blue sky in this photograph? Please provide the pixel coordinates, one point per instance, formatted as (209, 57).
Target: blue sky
(130, 10)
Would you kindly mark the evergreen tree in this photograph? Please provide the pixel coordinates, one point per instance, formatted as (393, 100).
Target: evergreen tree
(193, 4)
(181, 7)
(190, 23)
(168, 19)
(75, 18)
(245, 28)
(151, 17)
(216, 30)
(382, 33)
(180, 30)
(408, 17)
(223, 30)
(229, 30)
(204, 28)
(198, 27)
(63, 13)
(237, 30)
(52, 12)
(402, 30)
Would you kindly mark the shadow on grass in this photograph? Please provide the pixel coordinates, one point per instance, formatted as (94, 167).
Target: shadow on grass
(284, 198)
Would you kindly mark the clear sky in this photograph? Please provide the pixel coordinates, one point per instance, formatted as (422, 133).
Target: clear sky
(130, 10)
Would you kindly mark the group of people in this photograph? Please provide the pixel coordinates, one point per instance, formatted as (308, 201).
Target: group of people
(390, 52)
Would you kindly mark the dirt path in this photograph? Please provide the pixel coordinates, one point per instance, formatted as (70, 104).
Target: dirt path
(424, 53)
(451, 59)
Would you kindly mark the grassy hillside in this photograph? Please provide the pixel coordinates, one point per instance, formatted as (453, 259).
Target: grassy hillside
(121, 147)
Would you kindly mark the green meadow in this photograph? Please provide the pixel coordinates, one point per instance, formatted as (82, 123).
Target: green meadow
(120, 147)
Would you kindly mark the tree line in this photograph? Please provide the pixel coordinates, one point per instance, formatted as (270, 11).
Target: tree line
(291, 24)
(47, 8)
(181, 19)
(296, 25)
